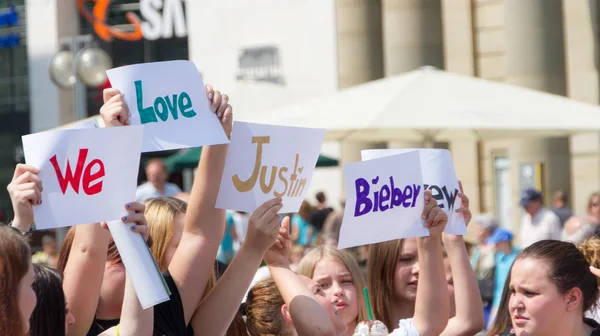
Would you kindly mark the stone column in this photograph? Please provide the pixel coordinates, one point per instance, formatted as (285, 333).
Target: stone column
(535, 59)
(412, 35)
(581, 46)
(360, 56)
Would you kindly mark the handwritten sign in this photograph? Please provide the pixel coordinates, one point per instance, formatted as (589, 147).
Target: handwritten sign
(384, 201)
(267, 161)
(88, 174)
(169, 100)
(439, 177)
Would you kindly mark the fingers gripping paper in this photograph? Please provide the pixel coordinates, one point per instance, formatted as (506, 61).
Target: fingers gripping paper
(439, 177)
(384, 201)
(268, 161)
(169, 100)
(88, 176)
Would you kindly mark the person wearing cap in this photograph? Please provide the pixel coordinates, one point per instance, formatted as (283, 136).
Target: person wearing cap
(504, 258)
(538, 223)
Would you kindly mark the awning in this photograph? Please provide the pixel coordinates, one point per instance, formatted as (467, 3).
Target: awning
(188, 158)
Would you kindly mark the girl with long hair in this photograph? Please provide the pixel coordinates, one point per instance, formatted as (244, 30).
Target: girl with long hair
(47, 319)
(395, 276)
(17, 298)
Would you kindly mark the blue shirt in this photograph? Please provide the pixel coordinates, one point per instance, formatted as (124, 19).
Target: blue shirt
(303, 226)
(227, 242)
(503, 264)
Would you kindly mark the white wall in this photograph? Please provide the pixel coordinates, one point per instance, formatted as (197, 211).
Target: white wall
(304, 31)
(47, 22)
(305, 34)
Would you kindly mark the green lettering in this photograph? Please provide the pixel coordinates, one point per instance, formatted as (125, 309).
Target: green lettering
(146, 113)
(163, 113)
(185, 105)
(172, 106)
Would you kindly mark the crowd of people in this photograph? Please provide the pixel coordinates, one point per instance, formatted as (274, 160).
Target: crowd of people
(235, 274)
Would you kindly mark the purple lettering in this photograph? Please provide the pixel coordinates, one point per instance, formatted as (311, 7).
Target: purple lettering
(417, 189)
(397, 196)
(362, 198)
(408, 193)
(384, 196)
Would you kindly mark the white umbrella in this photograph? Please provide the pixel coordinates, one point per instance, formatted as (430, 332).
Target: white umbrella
(429, 104)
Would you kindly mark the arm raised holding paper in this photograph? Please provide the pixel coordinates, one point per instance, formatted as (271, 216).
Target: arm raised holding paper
(134, 319)
(225, 297)
(25, 190)
(468, 318)
(84, 271)
(431, 313)
(204, 224)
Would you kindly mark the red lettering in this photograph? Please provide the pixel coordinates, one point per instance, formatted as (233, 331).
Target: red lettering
(75, 179)
(89, 178)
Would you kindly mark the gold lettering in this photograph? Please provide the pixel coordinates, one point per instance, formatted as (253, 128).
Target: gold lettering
(244, 186)
(266, 188)
(294, 176)
(284, 180)
(299, 187)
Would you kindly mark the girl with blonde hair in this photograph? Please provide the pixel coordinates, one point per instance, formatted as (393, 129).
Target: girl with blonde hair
(340, 277)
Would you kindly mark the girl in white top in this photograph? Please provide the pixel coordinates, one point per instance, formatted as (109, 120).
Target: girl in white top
(397, 267)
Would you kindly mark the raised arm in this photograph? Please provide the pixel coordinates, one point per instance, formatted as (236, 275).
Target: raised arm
(135, 321)
(25, 190)
(204, 224)
(469, 309)
(308, 316)
(82, 276)
(431, 307)
(229, 291)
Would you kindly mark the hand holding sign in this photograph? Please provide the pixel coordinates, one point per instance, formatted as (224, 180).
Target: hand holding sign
(219, 104)
(115, 111)
(464, 209)
(439, 177)
(169, 100)
(25, 190)
(384, 201)
(88, 174)
(263, 225)
(435, 218)
(266, 161)
(136, 216)
(279, 253)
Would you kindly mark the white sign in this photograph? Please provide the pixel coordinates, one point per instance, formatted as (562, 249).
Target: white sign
(88, 175)
(439, 177)
(161, 25)
(146, 278)
(268, 161)
(384, 201)
(169, 99)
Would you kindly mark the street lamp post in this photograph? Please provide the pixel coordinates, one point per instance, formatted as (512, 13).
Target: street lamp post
(77, 65)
